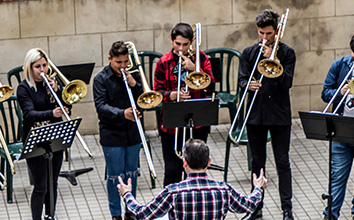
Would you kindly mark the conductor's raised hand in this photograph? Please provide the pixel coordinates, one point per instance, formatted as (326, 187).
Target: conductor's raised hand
(187, 63)
(122, 187)
(261, 180)
(129, 114)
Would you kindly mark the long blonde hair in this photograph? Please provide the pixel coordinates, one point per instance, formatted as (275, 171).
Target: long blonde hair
(32, 56)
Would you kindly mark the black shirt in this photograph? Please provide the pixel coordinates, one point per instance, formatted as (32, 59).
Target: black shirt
(272, 104)
(111, 99)
(37, 106)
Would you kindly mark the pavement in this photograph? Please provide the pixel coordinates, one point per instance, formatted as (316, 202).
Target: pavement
(88, 199)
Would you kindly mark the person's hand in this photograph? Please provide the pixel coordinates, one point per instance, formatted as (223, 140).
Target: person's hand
(267, 50)
(254, 85)
(53, 84)
(129, 114)
(261, 180)
(182, 95)
(344, 89)
(130, 79)
(187, 63)
(123, 188)
(57, 112)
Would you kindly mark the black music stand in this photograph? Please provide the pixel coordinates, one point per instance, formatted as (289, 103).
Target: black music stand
(45, 141)
(331, 127)
(191, 113)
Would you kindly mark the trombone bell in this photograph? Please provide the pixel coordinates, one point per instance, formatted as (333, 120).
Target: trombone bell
(270, 68)
(74, 92)
(198, 80)
(5, 92)
(149, 99)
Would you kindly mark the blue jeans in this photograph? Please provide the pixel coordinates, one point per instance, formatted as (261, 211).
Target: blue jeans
(123, 162)
(342, 159)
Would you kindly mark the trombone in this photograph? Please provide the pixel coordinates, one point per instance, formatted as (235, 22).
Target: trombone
(267, 67)
(5, 93)
(351, 88)
(71, 93)
(198, 79)
(148, 99)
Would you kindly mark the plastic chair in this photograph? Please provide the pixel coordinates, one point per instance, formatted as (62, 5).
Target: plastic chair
(224, 75)
(15, 72)
(12, 120)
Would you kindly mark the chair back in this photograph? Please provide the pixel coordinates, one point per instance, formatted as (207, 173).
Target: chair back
(149, 59)
(225, 68)
(11, 121)
(15, 72)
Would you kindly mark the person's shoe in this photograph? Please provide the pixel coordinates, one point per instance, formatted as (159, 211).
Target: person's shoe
(117, 217)
(287, 215)
(46, 217)
(129, 216)
(256, 214)
(326, 218)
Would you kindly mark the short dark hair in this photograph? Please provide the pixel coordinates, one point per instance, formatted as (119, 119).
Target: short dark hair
(352, 44)
(118, 48)
(196, 153)
(182, 29)
(267, 17)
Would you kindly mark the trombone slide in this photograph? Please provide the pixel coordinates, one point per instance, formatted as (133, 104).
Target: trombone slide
(66, 115)
(140, 127)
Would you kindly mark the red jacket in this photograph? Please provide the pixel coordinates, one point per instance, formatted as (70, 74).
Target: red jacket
(166, 76)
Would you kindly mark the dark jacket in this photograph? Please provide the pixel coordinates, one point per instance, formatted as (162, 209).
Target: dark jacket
(111, 99)
(272, 104)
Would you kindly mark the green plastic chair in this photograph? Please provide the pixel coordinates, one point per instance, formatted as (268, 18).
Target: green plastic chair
(223, 76)
(15, 72)
(12, 119)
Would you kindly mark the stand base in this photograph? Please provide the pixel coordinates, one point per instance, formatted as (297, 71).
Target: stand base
(71, 175)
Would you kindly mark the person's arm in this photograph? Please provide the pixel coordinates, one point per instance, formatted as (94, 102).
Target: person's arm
(245, 68)
(157, 207)
(288, 62)
(160, 81)
(240, 203)
(206, 68)
(101, 101)
(330, 84)
(27, 106)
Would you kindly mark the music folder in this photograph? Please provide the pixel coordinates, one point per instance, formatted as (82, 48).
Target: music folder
(81, 71)
(190, 113)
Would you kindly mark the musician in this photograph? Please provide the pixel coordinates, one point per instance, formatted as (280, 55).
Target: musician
(39, 108)
(166, 81)
(197, 197)
(271, 110)
(119, 134)
(342, 153)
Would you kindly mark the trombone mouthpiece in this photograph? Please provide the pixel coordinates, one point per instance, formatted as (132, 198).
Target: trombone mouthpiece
(42, 74)
(179, 52)
(264, 41)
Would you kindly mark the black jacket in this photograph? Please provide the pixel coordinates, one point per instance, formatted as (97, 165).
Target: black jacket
(111, 99)
(272, 104)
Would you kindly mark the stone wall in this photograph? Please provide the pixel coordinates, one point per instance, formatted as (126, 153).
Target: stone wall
(81, 31)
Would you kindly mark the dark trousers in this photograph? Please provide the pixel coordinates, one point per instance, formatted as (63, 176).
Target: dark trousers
(173, 164)
(257, 137)
(40, 194)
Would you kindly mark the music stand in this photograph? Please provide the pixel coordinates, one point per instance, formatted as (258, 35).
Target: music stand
(331, 127)
(45, 141)
(191, 113)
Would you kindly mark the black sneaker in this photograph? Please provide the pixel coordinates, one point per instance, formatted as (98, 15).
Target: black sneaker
(287, 215)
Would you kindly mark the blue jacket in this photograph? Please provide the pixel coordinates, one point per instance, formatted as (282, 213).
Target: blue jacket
(335, 76)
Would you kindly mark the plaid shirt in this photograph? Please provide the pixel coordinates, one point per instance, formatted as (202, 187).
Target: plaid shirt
(197, 197)
(166, 74)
